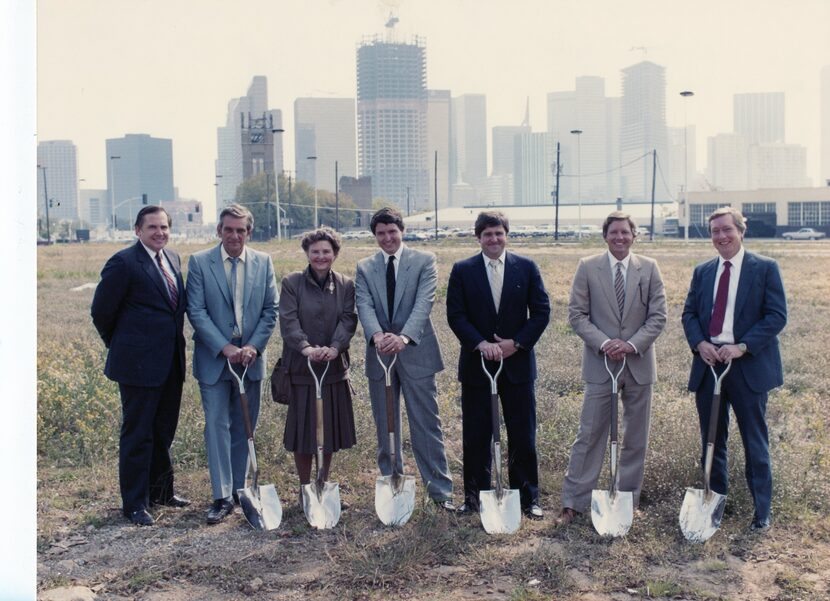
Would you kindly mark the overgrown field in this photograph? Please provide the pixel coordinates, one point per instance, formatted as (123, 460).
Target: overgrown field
(437, 554)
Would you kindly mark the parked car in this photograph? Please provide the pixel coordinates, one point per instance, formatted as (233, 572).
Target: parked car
(805, 233)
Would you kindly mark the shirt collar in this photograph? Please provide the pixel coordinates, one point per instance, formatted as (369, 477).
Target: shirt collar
(151, 252)
(613, 260)
(226, 256)
(487, 259)
(735, 261)
(397, 255)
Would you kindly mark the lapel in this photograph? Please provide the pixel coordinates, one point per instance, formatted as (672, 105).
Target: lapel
(252, 267)
(508, 283)
(218, 271)
(605, 282)
(632, 281)
(707, 289)
(152, 272)
(482, 279)
(379, 282)
(748, 269)
(403, 277)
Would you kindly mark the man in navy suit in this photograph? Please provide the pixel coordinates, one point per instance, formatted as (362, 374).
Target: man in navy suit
(497, 307)
(734, 311)
(138, 309)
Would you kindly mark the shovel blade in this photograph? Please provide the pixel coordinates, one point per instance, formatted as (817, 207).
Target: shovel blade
(261, 506)
(700, 517)
(612, 514)
(321, 506)
(500, 515)
(394, 505)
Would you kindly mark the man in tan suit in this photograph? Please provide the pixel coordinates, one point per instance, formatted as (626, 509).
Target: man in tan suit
(618, 308)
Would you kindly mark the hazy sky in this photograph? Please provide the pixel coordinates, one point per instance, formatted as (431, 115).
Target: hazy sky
(169, 67)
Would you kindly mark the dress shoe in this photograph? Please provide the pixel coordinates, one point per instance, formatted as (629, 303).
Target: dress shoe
(759, 525)
(466, 509)
(235, 496)
(533, 511)
(566, 516)
(445, 504)
(220, 509)
(174, 501)
(140, 517)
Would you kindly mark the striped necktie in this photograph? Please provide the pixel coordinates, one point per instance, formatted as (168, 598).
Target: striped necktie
(172, 291)
(619, 287)
(495, 282)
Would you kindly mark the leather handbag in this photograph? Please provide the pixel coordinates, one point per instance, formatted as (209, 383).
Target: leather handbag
(280, 384)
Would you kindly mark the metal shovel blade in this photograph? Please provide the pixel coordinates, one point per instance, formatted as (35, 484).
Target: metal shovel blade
(261, 506)
(700, 517)
(612, 513)
(321, 506)
(394, 505)
(500, 515)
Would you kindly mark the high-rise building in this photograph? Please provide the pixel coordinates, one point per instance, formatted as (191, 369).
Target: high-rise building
(438, 140)
(759, 118)
(325, 128)
(469, 139)
(777, 166)
(94, 208)
(139, 167)
(59, 162)
(824, 170)
(532, 175)
(681, 148)
(250, 125)
(727, 162)
(504, 147)
(642, 128)
(392, 118)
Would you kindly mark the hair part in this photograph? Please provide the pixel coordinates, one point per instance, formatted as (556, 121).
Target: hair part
(487, 219)
(387, 215)
(618, 216)
(737, 217)
(237, 211)
(151, 210)
(321, 234)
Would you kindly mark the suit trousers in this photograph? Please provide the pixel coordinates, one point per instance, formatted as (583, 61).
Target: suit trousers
(225, 436)
(588, 450)
(518, 403)
(424, 428)
(750, 413)
(150, 415)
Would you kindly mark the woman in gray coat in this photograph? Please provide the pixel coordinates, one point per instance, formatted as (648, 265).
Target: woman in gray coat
(318, 320)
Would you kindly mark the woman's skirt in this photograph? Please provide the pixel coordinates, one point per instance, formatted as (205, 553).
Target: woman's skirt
(338, 418)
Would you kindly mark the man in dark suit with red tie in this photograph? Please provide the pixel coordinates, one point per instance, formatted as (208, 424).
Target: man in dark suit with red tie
(138, 309)
(497, 306)
(734, 311)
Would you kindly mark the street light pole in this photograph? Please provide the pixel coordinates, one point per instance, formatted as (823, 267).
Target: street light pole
(686, 215)
(314, 158)
(578, 134)
(46, 205)
(112, 193)
(277, 130)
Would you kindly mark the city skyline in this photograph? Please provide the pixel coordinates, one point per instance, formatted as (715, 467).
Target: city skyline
(87, 94)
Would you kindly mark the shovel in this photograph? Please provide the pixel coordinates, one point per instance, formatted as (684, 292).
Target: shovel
(260, 504)
(500, 509)
(321, 499)
(612, 511)
(395, 494)
(702, 510)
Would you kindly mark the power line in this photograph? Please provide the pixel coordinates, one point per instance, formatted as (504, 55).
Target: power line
(618, 168)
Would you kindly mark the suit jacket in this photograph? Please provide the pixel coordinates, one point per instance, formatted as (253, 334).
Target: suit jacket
(524, 312)
(594, 314)
(414, 295)
(760, 314)
(210, 311)
(132, 313)
(311, 316)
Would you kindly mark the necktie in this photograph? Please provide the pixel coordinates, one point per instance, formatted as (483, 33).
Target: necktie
(390, 286)
(173, 292)
(495, 282)
(719, 312)
(619, 287)
(236, 303)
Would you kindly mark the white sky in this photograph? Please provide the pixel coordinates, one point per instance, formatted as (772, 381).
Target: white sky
(169, 67)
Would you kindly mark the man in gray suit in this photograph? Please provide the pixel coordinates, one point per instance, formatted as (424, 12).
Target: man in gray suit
(395, 290)
(618, 308)
(232, 304)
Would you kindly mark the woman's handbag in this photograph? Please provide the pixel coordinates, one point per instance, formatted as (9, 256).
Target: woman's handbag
(280, 383)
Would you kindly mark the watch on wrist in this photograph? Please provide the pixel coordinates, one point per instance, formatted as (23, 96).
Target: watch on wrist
(742, 347)
(405, 338)
(517, 345)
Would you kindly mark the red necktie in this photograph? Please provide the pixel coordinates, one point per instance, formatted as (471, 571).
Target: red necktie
(171, 285)
(719, 312)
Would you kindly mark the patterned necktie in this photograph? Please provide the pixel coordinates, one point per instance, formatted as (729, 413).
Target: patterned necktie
(173, 292)
(390, 286)
(495, 282)
(619, 287)
(236, 309)
(719, 312)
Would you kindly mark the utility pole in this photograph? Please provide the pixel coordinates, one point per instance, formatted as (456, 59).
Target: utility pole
(407, 201)
(653, 181)
(336, 199)
(46, 204)
(435, 177)
(556, 217)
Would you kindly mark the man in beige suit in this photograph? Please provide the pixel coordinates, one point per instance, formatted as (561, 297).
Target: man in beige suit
(618, 308)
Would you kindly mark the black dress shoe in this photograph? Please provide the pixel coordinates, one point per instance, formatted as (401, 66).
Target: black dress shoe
(445, 504)
(174, 501)
(220, 509)
(140, 517)
(759, 525)
(533, 511)
(466, 509)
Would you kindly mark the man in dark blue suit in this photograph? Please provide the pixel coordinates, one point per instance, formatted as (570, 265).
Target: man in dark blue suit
(734, 311)
(497, 306)
(138, 309)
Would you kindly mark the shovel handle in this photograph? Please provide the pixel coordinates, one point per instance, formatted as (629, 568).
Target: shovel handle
(243, 399)
(712, 434)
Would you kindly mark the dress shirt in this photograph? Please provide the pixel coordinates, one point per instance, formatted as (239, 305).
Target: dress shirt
(727, 334)
(491, 272)
(397, 263)
(612, 260)
(240, 285)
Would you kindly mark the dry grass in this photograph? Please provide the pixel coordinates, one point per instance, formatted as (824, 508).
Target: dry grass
(79, 413)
